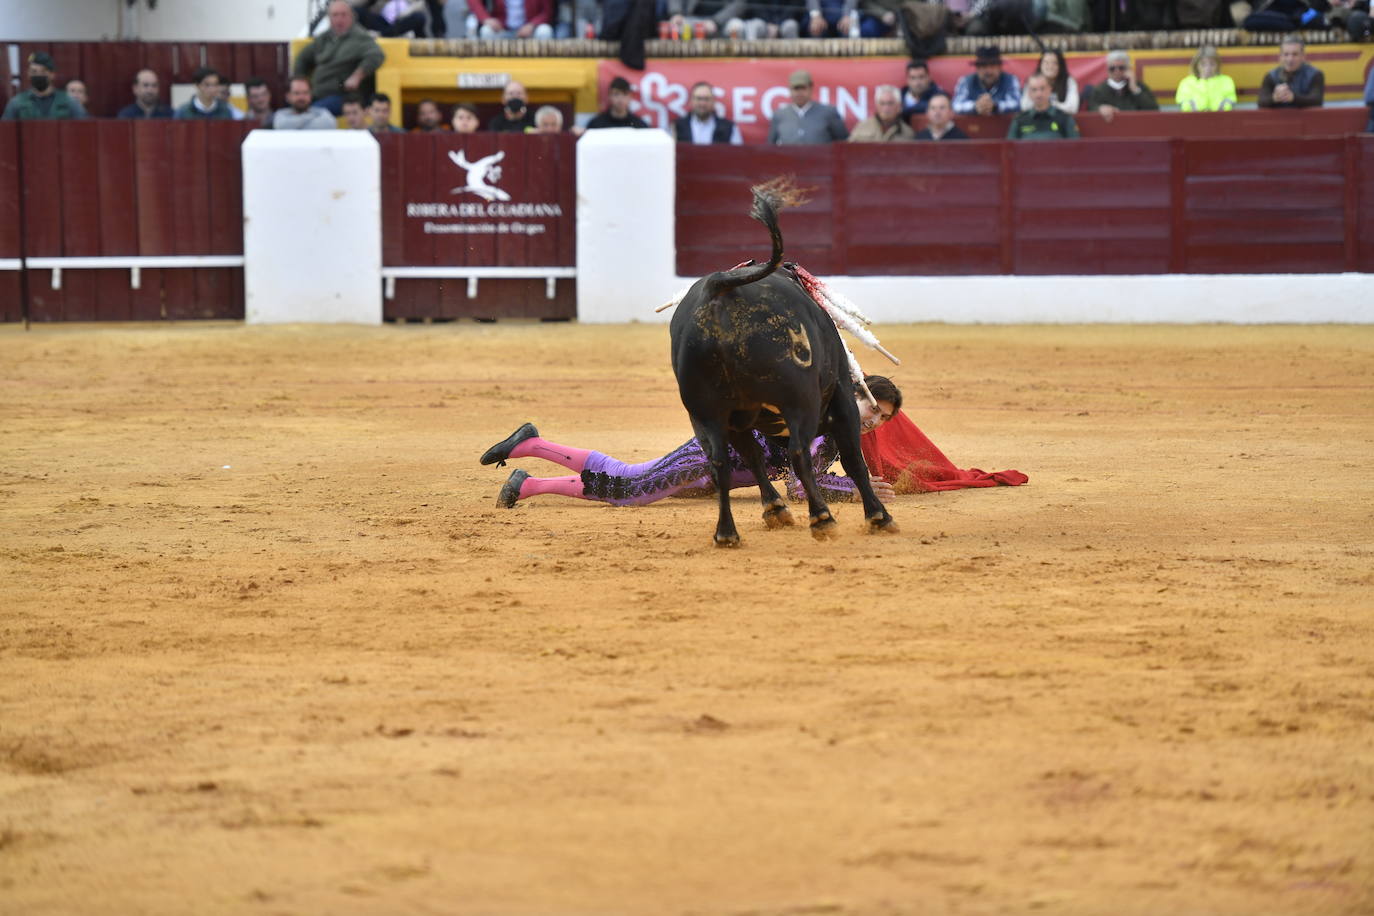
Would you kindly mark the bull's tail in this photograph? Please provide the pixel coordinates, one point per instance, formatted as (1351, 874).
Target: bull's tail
(769, 198)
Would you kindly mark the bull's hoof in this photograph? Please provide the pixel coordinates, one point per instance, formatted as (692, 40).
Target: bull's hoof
(778, 517)
(825, 528)
(882, 524)
(727, 540)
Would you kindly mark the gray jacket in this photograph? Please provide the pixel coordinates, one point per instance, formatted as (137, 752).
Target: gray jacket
(820, 124)
(310, 119)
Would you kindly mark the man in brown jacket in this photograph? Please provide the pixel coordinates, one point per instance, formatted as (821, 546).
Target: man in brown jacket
(339, 60)
(886, 124)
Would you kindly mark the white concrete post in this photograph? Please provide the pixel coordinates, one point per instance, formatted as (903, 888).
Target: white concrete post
(626, 251)
(312, 227)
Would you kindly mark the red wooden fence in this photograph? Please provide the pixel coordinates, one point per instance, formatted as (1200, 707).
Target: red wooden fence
(534, 170)
(108, 67)
(1087, 207)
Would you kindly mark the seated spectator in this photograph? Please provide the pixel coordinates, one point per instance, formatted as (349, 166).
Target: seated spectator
(1351, 15)
(1369, 102)
(515, 116)
(465, 120)
(224, 93)
(918, 90)
(429, 118)
(206, 104)
(379, 112)
(832, 18)
(805, 121)
(394, 18)
(617, 113)
(886, 124)
(781, 18)
(259, 112)
(42, 100)
(500, 19)
(940, 120)
(354, 114)
(1294, 83)
(1121, 91)
(1206, 88)
(878, 18)
(548, 120)
(339, 60)
(703, 125)
(300, 114)
(1063, 88)
(708, 18)
(1043, 121)
(76, 88)
(987, 90)
(147, 88)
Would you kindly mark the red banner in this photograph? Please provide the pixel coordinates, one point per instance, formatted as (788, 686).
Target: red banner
(751, 90)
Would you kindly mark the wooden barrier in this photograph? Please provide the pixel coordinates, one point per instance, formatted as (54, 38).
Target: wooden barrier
(1087, 207)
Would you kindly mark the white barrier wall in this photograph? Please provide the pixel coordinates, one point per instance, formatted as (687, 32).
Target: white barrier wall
(626, 248)
(312, 227)
(626, 267)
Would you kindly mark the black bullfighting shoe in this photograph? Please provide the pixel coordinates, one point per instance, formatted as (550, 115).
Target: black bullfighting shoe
(499, 452)
(510, 490)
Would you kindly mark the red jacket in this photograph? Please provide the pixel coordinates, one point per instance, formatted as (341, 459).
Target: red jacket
(537, 12)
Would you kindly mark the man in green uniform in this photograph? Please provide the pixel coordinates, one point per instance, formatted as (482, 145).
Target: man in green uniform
(44, 101)
(1042, 121)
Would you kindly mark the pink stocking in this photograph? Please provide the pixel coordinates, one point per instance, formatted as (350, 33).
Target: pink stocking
(574, 459)
(558, 486)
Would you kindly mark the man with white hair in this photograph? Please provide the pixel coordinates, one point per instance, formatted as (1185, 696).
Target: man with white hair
(1121, 91)
(339, 60)
(886, 124)
(548, 120)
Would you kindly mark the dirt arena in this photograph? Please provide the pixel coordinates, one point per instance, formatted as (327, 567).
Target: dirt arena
(267, 647)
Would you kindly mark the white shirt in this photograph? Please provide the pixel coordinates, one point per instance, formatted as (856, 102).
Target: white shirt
(704, 131)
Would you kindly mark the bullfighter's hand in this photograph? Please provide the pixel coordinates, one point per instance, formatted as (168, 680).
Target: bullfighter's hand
(881, 488)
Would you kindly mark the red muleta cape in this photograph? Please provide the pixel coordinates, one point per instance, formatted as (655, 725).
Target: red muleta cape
(901, 454)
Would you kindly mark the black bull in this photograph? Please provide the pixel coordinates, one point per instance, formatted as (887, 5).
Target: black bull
(752, 350)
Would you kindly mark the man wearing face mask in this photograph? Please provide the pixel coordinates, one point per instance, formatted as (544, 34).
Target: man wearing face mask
(515, 116)
(1121, 91)
(44, 101)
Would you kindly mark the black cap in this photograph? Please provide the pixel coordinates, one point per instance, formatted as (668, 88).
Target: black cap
(43, 59)
(988, 54)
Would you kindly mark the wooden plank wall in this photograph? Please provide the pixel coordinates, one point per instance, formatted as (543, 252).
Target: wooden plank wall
(1301, 205)
(416, 169)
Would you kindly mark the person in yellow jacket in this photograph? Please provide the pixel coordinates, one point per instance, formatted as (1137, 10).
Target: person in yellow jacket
(1206, 89)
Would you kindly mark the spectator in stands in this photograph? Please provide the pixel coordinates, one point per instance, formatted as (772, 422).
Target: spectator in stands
(394, 18)
(703, 125)
(1121, 91)
(147, 88)
(803, 120)
(42, 100)
(1351, 15)
(1063, 88)
(832, 18)
(886, 124)
(707, 18)
(1369, 102)
(781, 18)
(300, 114)
(1042, 121)
(548, 120)
(988, 90)
(224, 93)
(1206, 88)
(1294, 83)
(515, 116)
(339, 60)
(379, 110)
(878, 18)
(76, 88)
(918, 90)
(259, 112)
(456, 16)
(206, 104)
(429, 118)
(354, 114)
(465, 120)
(617, 113)
(940, 120)
(502, 19)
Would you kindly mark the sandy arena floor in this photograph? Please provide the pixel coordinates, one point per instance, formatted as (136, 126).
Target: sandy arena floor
(266, 646)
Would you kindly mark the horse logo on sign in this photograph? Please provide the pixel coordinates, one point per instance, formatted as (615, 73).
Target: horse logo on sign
(482, 175)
